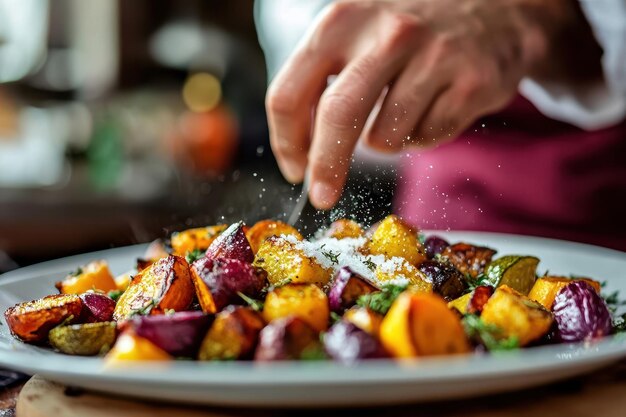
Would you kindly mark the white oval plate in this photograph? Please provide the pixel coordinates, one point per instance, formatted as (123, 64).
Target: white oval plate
(315, 384)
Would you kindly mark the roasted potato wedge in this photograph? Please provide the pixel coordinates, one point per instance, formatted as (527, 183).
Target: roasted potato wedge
(288, 338)
(199, 238)
(130, 347)
(93, 276)
(283, 261)
(546, 288)
(233, 335)
(32, 321)
(87, 339)
(516, 315)
(394, 237)
(165, 285)
(218, 282)
(392, 272)
(263, 229)
(421, 324)
(469, 259)
(306, 301)
(344, 228)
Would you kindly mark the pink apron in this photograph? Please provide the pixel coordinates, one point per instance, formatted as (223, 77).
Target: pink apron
(521, 172)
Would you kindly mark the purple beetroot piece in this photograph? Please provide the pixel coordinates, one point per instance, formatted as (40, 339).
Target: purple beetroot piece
(447, 281)
(231, 244)
(347, 343)
(347, 287)
(179, 334)
(288, 338)
(96, 308)
(580, 313)
(434, 245)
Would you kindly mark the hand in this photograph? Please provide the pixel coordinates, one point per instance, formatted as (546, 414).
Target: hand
(445, 63)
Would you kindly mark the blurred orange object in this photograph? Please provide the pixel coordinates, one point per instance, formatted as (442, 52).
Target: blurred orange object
(205, 143)
(130, 347)
(93, 276)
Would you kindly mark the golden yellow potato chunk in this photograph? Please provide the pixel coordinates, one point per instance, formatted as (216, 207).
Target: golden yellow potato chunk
(198, 238)
(306, 301)
(394, 237)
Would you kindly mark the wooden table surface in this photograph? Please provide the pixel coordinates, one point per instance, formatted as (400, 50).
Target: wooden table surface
(602, 393)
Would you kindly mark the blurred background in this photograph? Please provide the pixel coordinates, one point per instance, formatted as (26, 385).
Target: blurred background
(122, 121)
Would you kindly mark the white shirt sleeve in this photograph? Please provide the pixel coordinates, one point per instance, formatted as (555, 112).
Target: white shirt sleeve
(604, 104)
(281, 24)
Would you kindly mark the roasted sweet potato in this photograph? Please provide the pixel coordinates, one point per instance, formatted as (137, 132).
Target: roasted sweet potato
(130, 347)
(447, 281)
(93, 276)
(400, 270)
(394, 237)
(218, 282)
(165, 285)
(344, 228)
(364, 318)
(421, 324)
(122, 281)
(469, 259)
(87, 339)
(96, 308)
(347, 287)
(195, 239)
(306, 301)
(233, 335)
(545, 289)
(231, 244)
(33, 320)
(283, 261)
(348, 343)
(516, 315)
(263, 229)
(288, 338)
(178, 334)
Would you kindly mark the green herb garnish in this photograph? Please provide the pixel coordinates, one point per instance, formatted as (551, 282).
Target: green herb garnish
(472, 283)
(76, 273)
(145, 310)
(332, 256)
(380, 301)
(334, 317)
(313, 353)
(613, 300)
(488, 334)
(369, 264)
(256, 305)
(619, 324)
(115, 294)
(194, 255)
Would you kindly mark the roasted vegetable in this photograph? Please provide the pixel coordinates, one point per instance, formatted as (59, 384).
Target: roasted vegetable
(130, 347)
(233, 335)
(191, 239)
(288, 338)
(365, 319)
(434, 245)
(93, 276)
(447, 281)
(344, 228)
(347, 287)
(517, 315)
(87, 339)
(31, 321)
(545, 288)
(580, 313)
(165, 285)
(399, 271)
(262, 230)
(514, 271)
(469, 259)
(96, 308)
(284, 262)
(347, 343)
(231, 244)
(421, 324)
(393, 237)
(178, 334)
(123, 281)
(219, 282)
(472, 302)
(306, 301)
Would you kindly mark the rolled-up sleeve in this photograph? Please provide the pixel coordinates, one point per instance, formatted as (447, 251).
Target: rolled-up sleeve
(601, 105)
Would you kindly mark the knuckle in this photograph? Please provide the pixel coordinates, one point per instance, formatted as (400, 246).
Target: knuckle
(400, 29)
(336, 12)
(337, 109)
(444, 47)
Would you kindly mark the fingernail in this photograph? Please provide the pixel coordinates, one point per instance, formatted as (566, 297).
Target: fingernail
(323, 195)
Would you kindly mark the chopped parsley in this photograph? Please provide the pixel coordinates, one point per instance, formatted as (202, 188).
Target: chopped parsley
(422, 238)
(334, 317)
(145, 310)
(194, 255)
(380, 301)
(77, 272)
(369, 264)
(115, 294)
(488, 335)
(313, 353)
(619, 324)
(472, 283)
(332, 256)
(256, 305)
(613, 300)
